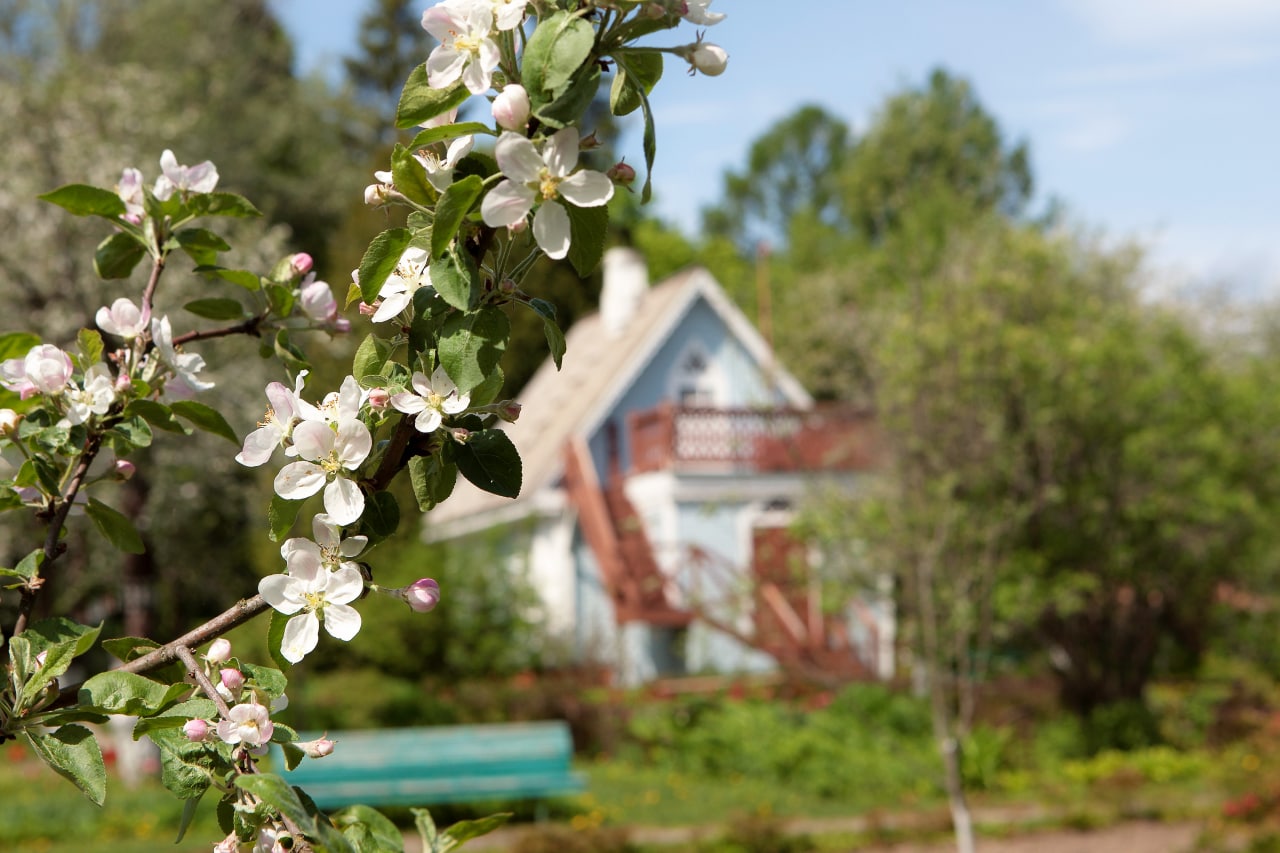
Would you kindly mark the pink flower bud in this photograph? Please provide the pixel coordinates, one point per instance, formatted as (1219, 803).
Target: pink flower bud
(511, 107)
(196, 730)
(460, 435)
(518, 227)
(622, 174)
(124, 384)
(509, 411)
(422, 595)
(318, 748)
(232, 679)
(588, 142)
(9, 420)
(379, 398)
(219, 651)
(369, 310)
(301, 262)
(124, 469)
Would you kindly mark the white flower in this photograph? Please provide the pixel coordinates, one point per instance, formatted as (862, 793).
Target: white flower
(511, 107)
(440, 172)
(547, 177)
(411, 273)
(340, 405)
(130, 191)
(44, 370)
(376, 195)
(287, 408)
(185, 365)
(465, 50)
(507, 14)
(315, 594)
(696, 13)
(201, 178)
(327, 454)
(249, 724)
(269, 841)
(123, 319)
(96, 397)
(436, 398)
(329, 548)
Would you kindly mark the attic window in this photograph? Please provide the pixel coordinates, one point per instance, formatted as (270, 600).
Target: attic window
(695, 381)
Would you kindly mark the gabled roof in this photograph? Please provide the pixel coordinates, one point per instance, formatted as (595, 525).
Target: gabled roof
(598, 368)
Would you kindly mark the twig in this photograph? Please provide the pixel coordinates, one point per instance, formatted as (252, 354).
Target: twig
(197, 672)
(247, 327)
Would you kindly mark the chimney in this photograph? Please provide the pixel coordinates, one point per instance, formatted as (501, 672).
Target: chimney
(626, 278)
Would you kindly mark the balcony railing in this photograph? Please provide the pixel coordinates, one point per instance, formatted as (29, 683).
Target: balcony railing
(671, 436)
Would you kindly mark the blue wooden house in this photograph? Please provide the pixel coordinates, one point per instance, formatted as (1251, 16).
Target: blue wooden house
(662, 467)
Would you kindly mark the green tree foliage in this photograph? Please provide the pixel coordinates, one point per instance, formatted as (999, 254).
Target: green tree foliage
(391, 42)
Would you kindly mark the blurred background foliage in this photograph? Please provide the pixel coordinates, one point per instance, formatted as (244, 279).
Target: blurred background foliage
(1108, 447)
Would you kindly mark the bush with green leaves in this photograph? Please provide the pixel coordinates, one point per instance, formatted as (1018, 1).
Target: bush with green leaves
(421, 397)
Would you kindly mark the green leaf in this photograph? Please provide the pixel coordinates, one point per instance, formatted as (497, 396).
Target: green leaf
(73, 752)
(368, 829)
(636, 78)
(465, 830)
(243, 278)
(204, 417)
(490, 461)
(288, 353)
(371, 356)
(128, 648)
(410, 178)
(84, 200)
(281, 515)
(61, 639)
(188, 815)
(551, 329)
(117, 529)
(117, 255)
(185, 768)
(426, 830)
(433, 480)
(156, 414)
(454, 205)
(280, 298)
(380, 260)
(275, 638)
(222, 204)
(130, 433)
(126, 693)
(271, 680)
(16, 344)
(448, 131)
(488, 390)
(471, 345)
(558, 48)
(572, 103)
(419, 102)
(201, 244)
(90, 344)
(456, 279)
(588, 228)
(216, 309)
(381, 516)
(30, 565)
(176, 716)
(276, 792)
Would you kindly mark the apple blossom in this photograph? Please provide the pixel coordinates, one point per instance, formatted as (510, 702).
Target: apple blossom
(329, 548)
(465, 50)
(440, 172)
(436, 397)
(247, 724)
(511, 107)
(621, 174)
(287, 408)
(343, 404)
(422, 595)
(130, 192)
(44, 370)
(695, 12)
(411, 273)
(507, 14)
(327, 455)
(319, 305)
(376, 195)
(230, 844)
(9, 420)
(315, 594)
(123, 319)
(219, 651)
(231, 678)
(95, 398)
(301, 263)
(185, 365)
(379, 398)
(196, 730)
(545, 177)
(201, 178)
(318, 748)
(124, 470)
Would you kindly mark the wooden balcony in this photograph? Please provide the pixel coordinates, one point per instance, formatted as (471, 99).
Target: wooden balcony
(753, 440)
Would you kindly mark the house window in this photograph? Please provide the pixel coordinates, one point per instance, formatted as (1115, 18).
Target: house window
(695, 381)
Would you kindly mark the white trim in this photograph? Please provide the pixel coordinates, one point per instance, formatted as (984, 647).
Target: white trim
(545, 502)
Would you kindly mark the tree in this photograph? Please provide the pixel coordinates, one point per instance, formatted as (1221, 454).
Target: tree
(391, 43)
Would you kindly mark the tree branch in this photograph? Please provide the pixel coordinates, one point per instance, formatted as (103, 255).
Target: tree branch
(247, 327)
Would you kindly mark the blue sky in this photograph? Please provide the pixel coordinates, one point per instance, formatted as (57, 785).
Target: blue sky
(1157, 120)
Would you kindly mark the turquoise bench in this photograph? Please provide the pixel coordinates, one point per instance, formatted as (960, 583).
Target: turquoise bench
(418, 766)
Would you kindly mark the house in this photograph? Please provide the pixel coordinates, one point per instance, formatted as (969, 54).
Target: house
(662, 466)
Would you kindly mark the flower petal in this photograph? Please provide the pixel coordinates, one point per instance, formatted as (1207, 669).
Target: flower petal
(299, 480)
(586, 189)
(301, 633)
(344, 501)
(551, 230)
(561, 152)
(408, 402)
(428, 420)
(517, 158)
(352, 442)
(313, 440)
(444, 66)
(259, 445)
(278, 591)
(345, 585)
(506, 204)
(342, 621)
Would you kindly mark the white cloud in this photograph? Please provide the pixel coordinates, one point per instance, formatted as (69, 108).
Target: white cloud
(1162, 21)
